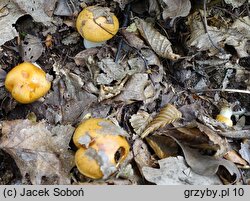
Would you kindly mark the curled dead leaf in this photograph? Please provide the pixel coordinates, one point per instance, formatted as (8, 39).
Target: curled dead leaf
(167, 115)
(139, 121)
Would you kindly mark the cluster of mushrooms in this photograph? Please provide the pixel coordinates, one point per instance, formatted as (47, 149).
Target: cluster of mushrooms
(100, 150)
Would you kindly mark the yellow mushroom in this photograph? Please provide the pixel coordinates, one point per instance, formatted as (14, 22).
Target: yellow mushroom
(27, 83)
(225, 116)
(101, 147)
(96, 25)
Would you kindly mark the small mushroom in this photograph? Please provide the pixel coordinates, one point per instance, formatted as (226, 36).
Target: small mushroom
(225, 116)
(96, 25)
(27, 83)
(101, 149)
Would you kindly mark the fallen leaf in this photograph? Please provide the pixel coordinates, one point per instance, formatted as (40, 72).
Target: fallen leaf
(63, 9)
(130, 93)
(233, 156)
(159, 43)
(39, 150)
(176, 8)
(142, 155)
(235, 3)
(107, 92)
(237, 35)
(207, 165)
(67, 101)
(11, 14)
(163, 146)
(32, 48)
(123, 3)
(174, 171)
(37, 9)
(167, 115)
(112, 72)
(139, 121)
(245, 150)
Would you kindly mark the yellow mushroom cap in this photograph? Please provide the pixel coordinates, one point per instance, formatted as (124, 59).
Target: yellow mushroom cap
(87, 165)
(27, 83)
(225, 116)
(97, 24)
(224, 120)
(101, 147)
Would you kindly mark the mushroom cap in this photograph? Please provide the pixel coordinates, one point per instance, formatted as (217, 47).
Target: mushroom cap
(27, 83)
(225, 120)
(86, 165)
(100, 147)
(97, 24)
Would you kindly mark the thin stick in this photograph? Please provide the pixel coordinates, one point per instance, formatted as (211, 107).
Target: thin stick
(222, 90)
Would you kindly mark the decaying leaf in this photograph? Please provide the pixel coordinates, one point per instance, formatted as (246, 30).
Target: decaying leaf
(235, 3)
(237, 35)
(139, 121)
(132, 93)
(141, 154)
(11, 13)
(39, 150)
(174, 171)
(112, 72)
(176, 8)
(200, 39)
(107, 92)
(163, 146)
(167, 115)
(37, 9)
(67, 101)
(123, 3)
(207, 165)
(159, 43)
(233, 156)
(63, 9)
(245, 150)
(32, 48)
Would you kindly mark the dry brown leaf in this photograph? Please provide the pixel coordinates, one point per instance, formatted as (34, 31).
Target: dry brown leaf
(141, 154)
(163, 146)
(174, 171)
(159, 43)
(176, 8)
(207, 165)
(139, 121)
(39, 151)
(130, 92)
(167, 115)
(237, 35)
(233, 156)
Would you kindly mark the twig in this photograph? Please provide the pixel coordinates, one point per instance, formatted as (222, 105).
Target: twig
(222, 90)
(125, 23)
(206, 29)
(236, 134)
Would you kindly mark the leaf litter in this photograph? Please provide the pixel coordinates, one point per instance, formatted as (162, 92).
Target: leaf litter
(162, 78)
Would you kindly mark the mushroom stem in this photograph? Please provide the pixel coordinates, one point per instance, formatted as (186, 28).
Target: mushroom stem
(90, 44)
